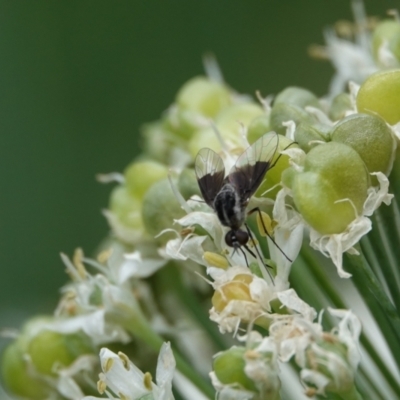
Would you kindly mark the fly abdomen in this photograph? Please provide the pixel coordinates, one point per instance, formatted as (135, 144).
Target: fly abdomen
(228, 208)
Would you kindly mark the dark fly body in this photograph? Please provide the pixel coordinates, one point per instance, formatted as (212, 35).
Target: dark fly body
(229, 196)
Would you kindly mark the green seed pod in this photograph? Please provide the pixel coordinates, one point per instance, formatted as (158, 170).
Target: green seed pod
(231, 120)
(332, 172)
(183, 122)
(45, 350)
(283, 112)
(297, 96)
(187, 183)
(203, 138)
(305, 134)
(386, 31)
(258, 127)
(370, 137)
(16, 376)
(340, 104)
(160, 208)
(288, 176)
(203, 96)
(140, 175)
(229, 368)
(48, 348)
(274, 175)
(380, 94)
(157, 141)
(339, 373)
(126, 207)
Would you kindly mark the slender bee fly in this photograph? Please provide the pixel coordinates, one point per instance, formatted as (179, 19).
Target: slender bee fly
(229, 196)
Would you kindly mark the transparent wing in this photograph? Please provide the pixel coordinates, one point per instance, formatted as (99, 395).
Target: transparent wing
(210, 173)
(250, 168)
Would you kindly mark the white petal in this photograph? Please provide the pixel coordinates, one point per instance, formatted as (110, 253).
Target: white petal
(377, 196)
(165, 371)
(335, 245)
(135, 266)
(317, 379)
(290, 299)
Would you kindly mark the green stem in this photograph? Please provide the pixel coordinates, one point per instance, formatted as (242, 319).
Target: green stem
(337, 301)
(375, 297)
(385, 244)
(139, 328)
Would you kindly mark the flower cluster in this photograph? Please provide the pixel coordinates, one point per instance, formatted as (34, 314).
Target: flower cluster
(167, 272)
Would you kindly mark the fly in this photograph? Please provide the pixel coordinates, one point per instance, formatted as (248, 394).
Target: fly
(229, 196)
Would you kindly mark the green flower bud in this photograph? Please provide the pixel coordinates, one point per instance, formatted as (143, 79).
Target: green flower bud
(126, 207)
(187, 183)
(340, 104)
(297, 96)
(203, 96)
(288, 176)
(48, 348)
(230, 120)
(157, 141)
(273, 176)
(160, 208)
(336, 369)
(386, 31)
(380, 94)
(370, 137)
(332, 172)
(305, 134)
(229, 368)
(45, 349)
(183, 122)
(140, 175)
(203, 138)
(16, 375)
(283, 112)
(258, 127)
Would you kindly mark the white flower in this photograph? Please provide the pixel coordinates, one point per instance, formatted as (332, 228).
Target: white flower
(128, 382)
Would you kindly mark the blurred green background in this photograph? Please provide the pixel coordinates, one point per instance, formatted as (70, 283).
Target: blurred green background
(77, 80)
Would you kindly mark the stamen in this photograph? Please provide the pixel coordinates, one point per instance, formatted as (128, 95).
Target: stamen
(125, 360)
(108, 364)
(147, 381)
(265, 222)
(101, 386)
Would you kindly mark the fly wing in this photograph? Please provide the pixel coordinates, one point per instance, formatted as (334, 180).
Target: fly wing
(250, 168)
(210, 173)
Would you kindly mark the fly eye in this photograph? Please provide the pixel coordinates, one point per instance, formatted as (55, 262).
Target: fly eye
(242, 237)
(229, 238)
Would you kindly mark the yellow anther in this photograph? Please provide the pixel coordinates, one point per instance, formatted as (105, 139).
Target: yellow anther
(186, 231)
(104, 256)
(77, 261)
(101, 386)
(108, 364)
(215, 260)
(125, 360)
(122, 396)
(252, 354)
(264, 223)
(147, 381)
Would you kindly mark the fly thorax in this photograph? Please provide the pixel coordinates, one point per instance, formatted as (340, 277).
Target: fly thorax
(228, 208)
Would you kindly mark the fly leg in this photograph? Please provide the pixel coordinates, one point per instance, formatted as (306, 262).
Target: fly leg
(257, 209)
(257, 251)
